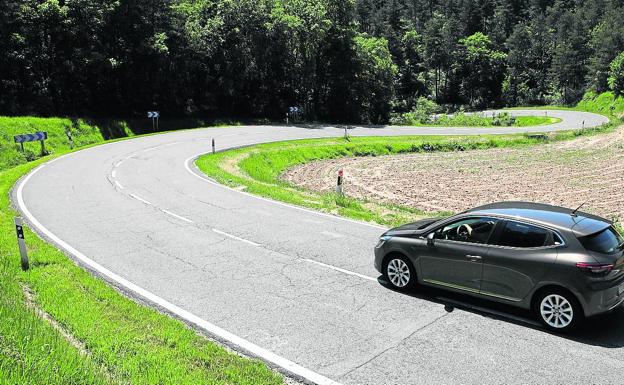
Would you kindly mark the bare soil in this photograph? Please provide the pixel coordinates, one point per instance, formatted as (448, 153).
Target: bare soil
(587, 169)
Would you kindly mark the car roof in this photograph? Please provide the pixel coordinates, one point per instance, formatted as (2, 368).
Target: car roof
(561, 218)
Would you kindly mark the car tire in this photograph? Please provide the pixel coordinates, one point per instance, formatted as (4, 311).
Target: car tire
(399, 272)
(558, 310)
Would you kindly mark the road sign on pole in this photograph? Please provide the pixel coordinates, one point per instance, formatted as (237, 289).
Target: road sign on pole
(36, 137)
(154, 115)
(19, 230)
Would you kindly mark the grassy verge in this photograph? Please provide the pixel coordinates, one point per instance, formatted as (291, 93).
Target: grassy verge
(474, 120)
(119, 341)
(83, 132)
(257, 169)
(605, 103)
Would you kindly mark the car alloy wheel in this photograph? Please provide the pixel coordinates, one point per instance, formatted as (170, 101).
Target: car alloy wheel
(398, 273)
(556, 311)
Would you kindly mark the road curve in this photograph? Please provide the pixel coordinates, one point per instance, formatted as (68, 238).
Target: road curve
(292, 286)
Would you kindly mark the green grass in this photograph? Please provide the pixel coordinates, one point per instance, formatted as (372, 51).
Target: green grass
(605, 103)
(261, 165)
(127, 343)
(475, 120)
(529, 121)
(10, 154)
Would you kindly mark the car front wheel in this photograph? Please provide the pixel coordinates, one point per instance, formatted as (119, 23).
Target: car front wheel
(400, 272)
(558, 310)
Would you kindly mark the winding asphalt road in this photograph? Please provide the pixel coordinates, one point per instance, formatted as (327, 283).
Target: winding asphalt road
(294, 287)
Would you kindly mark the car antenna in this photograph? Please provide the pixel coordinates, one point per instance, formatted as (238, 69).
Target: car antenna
(577, 209)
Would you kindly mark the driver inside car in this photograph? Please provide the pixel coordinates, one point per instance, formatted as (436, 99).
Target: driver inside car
(470, 230)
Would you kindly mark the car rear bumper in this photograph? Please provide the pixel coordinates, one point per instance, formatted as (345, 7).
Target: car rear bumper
(605, 299)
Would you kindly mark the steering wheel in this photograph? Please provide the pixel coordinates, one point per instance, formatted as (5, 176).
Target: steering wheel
(464, 232)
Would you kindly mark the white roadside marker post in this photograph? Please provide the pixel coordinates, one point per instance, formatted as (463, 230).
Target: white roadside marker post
(213, 146)
(339, 183)
(19, 229)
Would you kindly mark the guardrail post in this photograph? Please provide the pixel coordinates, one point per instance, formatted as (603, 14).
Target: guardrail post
(19, 229)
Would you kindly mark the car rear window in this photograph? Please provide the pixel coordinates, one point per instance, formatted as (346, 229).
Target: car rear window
(606, 241)
(517, 234)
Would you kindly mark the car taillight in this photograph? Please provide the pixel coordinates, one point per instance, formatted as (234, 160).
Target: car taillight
(595, 268)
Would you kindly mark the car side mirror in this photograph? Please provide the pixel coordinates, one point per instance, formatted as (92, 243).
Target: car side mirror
(430, 239)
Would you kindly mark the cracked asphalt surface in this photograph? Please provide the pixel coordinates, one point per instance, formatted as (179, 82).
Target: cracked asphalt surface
(252, 267)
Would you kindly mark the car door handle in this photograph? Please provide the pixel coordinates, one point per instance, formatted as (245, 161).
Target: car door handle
(474, 257)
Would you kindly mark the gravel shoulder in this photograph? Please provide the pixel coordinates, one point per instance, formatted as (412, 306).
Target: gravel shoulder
(587, 169)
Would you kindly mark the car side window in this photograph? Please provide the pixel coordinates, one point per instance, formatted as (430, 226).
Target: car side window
(516, 234)
(472, 230)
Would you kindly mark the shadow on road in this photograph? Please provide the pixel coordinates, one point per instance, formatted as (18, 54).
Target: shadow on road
(605, 330)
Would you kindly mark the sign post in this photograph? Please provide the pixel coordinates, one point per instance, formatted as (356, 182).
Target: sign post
(154, 115)
(36, 137)
(19, 229)
(70, 138)
(294, 112)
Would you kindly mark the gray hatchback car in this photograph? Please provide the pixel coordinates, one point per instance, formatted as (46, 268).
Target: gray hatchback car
(563, 264)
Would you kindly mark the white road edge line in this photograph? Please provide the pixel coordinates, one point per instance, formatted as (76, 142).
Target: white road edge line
(235, 237)
(119, 185)
(208, 180)
(141, 199)
(220, 333)
(340, 270)
(177, 216)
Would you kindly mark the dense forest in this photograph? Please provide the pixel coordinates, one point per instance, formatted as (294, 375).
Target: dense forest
(339, 60)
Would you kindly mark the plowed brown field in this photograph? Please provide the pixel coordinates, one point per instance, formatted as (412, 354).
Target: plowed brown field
(587, 169)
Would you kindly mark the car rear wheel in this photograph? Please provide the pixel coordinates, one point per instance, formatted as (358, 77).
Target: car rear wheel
(400, 272)
(558, 310)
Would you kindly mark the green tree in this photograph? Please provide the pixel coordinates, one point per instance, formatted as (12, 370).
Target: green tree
(374, 79)
(528, 62)
(440, 45)
(482, 70)
(412, 71)
(607, 39)
(570, 56)
(616, 74)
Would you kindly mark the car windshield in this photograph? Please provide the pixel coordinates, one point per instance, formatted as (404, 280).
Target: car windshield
(606, 241)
